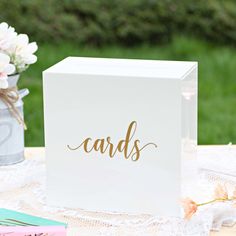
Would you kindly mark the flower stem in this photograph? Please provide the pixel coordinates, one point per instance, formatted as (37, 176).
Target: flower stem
(215, 200)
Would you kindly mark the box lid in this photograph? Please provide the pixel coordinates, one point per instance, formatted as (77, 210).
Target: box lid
(123, 67)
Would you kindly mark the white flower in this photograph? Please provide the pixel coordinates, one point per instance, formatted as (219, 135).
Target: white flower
(7, 36)
(16, 46)
(5, 69)
(22, 52)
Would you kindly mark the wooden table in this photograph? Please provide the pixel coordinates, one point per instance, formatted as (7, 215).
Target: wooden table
(34, 152)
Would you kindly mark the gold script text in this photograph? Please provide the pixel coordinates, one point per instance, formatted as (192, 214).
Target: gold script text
(129, 147)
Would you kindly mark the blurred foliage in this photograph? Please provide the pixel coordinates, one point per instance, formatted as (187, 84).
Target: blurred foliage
(69, 27)
(100, 22)
(217, 84)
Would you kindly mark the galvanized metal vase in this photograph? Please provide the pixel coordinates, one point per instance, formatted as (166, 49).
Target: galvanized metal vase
(11, 132)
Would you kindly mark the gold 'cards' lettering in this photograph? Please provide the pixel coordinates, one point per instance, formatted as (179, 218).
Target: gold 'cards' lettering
(129, 147)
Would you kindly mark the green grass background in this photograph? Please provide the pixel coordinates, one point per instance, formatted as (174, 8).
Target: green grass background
(217, 82)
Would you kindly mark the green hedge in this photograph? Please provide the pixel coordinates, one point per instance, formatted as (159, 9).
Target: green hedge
(210, 19)
(129, 22)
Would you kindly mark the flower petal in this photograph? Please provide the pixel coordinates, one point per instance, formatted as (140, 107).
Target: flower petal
(221, 192)
(3, 83)
(32, 47)
(3, 26)
(234, 193)
(7, 36)
(190, 207)
(9, 69)
(4, 59)
(30, 59)
(22, 39)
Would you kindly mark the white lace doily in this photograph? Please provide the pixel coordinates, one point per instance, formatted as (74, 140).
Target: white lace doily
(23, 188)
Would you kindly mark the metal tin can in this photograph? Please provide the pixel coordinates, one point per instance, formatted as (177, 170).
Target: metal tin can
(11, 132)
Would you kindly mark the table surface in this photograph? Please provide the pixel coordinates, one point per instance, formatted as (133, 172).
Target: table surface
(40, 151)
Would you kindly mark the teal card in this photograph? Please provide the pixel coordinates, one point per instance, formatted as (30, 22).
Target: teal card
(14, 218)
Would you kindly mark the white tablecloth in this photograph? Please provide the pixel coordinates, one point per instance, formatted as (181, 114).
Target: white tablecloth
(22, 188)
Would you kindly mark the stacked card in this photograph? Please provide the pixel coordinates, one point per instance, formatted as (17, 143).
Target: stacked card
(16, 223)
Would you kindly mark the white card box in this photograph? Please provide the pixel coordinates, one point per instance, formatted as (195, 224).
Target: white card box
(118, 133)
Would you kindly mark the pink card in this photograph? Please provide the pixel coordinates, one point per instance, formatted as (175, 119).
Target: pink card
(33, 231)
